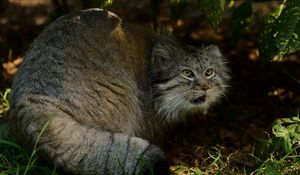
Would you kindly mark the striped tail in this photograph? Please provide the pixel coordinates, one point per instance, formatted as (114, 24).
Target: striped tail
(79, 149)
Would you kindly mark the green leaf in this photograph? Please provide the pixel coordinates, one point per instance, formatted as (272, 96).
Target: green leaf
(296, 119)
(291, 128)
(242, 16)
(196, 170)
(288, 129)
(281, 34)
(280, 131)
(287, 145)
(181, 169)
(213, 10)
(286, 32)
(293, 43)
(296, 138)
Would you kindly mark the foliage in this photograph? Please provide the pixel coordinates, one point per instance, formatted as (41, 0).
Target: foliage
(282, 30)
(280, 154)
(216, 166)
(276, 155)
(181, 169)
(279, 35)
(213, 10)
(288, 129)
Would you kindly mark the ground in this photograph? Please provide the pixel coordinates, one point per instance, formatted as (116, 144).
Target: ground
(260, 92)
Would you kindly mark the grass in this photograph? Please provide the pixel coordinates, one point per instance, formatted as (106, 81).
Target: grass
(275, 155)
(14, 159)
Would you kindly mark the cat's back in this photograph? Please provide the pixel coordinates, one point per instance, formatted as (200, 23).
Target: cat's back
(85, 60)
(86, 44)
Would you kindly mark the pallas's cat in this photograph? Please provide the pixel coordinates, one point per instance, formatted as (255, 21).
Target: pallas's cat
(104, 89)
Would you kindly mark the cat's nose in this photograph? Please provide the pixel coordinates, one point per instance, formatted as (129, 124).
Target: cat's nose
(204, 86)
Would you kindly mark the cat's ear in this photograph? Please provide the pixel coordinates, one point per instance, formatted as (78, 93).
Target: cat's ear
(163, 52)
(214, 51)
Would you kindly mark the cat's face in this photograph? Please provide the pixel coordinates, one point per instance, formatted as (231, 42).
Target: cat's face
(187, 79)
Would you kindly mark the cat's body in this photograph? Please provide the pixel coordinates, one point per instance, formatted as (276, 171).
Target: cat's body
(102, 85)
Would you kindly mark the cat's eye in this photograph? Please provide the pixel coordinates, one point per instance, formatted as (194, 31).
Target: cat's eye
(188, 73)
(209, 72)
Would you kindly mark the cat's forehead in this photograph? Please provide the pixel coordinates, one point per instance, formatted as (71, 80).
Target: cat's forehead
(199, 56)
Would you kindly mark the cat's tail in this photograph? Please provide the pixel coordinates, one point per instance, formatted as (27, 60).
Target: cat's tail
(84, 150)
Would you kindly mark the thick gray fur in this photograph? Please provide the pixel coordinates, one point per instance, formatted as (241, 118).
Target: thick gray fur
(107, 87)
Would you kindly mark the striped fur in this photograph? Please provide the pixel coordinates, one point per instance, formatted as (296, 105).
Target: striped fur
(101, 84)
(173, 92)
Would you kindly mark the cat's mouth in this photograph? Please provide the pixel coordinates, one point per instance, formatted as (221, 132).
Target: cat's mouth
(199, 100)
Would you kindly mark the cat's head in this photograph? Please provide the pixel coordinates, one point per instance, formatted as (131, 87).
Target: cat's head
(185, 78)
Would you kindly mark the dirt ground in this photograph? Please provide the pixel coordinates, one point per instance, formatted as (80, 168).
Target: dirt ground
(259, 93)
